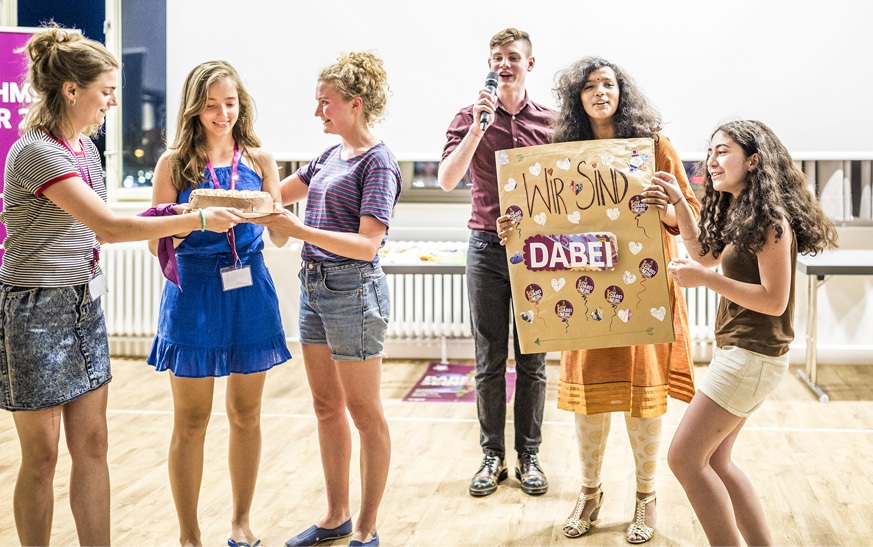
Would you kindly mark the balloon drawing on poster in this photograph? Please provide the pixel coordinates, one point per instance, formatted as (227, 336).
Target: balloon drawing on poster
(564, 310)
(648, 269)
(614, 295)
(515, 214)
(638, 206)
(533, 293)
(585, 286)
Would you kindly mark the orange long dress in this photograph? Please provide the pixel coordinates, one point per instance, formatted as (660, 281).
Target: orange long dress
(637, 379)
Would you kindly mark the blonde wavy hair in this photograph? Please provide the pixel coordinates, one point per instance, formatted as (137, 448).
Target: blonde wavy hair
(360, 74)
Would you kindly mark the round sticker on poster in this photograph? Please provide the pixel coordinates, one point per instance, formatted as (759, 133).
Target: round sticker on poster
(514, 213)
(585, 285)
(533, 293)
(614, 295)
(637, 205)
(649, 268)
(564, 309)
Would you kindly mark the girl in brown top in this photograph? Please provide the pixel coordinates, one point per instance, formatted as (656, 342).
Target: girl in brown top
(757, 214)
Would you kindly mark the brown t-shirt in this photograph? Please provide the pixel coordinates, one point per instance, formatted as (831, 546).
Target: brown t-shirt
(747, 329)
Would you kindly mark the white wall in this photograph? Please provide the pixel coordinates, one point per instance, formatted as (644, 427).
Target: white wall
(799, 66)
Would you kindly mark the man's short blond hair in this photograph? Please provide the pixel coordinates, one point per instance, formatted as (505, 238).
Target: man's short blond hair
(508, 35)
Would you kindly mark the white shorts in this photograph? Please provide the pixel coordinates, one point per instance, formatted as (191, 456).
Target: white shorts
(739, 380)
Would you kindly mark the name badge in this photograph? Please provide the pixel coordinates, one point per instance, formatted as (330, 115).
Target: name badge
(235, 278)
(98, 286)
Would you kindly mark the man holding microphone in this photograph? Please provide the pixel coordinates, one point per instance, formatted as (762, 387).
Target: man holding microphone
(502, 117)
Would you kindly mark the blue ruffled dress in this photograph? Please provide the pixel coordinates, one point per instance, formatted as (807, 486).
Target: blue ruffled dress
(205, 331)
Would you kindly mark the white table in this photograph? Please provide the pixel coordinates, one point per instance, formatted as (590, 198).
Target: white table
(818, 269)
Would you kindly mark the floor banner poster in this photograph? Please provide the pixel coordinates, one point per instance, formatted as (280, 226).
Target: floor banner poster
(586, 260)
(445, 383)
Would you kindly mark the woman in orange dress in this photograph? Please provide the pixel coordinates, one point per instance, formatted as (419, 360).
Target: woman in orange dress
(598, 100)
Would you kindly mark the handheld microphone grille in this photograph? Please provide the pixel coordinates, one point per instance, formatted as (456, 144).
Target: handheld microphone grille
(491, 85)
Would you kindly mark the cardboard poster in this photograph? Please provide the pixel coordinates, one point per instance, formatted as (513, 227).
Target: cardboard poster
(586, 260)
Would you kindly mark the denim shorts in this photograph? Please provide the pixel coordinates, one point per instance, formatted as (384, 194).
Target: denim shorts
(345, 306)
(53, 346)
(739, 380)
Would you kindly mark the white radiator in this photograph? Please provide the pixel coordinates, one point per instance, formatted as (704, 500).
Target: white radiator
(131, 306)
(428, 306)
(423, 307)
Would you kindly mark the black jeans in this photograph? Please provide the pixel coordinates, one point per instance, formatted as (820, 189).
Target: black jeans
(490, 311)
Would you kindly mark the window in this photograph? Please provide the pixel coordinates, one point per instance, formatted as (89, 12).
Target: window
(138, 138)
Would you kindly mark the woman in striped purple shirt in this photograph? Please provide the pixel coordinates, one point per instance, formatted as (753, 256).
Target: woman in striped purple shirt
(350, 192)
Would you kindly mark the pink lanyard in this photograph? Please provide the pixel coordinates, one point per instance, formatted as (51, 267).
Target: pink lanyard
(234, 167)
(85, 172)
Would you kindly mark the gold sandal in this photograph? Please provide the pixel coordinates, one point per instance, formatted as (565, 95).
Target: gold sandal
(638, 526)
(575, 522)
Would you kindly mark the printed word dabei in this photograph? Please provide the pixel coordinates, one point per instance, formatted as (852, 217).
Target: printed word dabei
(587, 251)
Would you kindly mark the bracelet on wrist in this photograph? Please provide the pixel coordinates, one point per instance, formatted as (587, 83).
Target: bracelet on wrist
(202, 220)
(677, 201)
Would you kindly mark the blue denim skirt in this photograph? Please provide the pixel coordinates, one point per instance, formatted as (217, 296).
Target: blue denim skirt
(344, 305)
(53, 346)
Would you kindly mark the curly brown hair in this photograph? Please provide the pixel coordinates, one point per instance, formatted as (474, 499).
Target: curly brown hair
(775, 190)
(634, 117)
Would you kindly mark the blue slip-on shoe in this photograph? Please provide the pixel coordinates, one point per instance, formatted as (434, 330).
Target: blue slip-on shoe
(372, 543)
(232, 543)
(315, 535)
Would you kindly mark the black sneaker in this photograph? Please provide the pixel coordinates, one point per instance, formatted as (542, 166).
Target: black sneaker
(529, 472)
(485, 480)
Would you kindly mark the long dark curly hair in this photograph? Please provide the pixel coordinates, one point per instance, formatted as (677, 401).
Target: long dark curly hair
(775, 189)
(634, 118)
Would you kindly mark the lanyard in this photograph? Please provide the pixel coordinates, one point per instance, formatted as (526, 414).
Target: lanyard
(85, 172)
(234, 167)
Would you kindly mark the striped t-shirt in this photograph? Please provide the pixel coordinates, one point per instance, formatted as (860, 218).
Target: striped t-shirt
(45, 246)
(342, 191)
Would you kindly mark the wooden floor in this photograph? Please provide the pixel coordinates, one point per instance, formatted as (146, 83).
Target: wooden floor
(811, 462)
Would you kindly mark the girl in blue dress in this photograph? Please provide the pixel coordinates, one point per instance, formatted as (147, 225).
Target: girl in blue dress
(223, 317)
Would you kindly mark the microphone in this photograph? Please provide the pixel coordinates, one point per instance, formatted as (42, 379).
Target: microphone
(490, 85)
